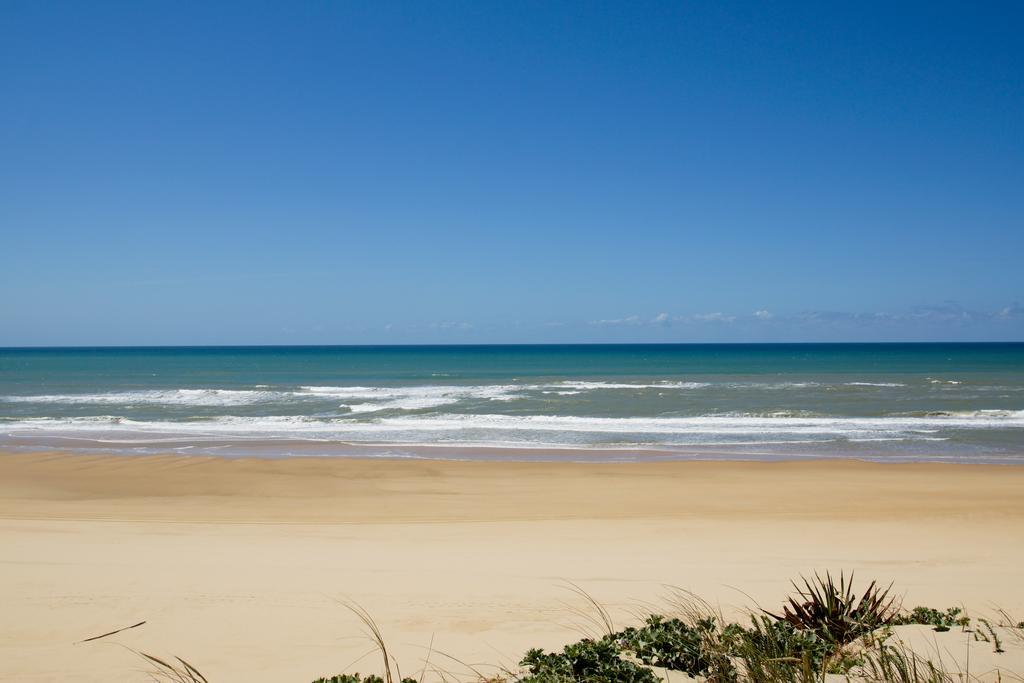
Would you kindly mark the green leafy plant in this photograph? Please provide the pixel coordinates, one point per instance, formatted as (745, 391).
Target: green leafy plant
(587, 661)
(929, 616)
(670, 643)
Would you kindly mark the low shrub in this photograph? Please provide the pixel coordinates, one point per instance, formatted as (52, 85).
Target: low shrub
(929, 616)
(670, 643)
(587, 661)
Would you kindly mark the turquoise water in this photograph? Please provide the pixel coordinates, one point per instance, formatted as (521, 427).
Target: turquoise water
(961, 402)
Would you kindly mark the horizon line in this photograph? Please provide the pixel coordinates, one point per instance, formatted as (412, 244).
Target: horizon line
(83, 347)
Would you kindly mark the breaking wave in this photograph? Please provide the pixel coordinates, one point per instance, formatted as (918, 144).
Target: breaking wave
(193, 397)
(531, 430)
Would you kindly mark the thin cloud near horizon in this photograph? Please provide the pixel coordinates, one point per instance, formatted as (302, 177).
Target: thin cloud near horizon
(944, 313)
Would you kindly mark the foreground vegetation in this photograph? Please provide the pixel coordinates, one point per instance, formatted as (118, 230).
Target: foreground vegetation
(824, 628)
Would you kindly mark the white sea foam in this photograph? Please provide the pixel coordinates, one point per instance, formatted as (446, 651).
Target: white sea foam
(413, 403)
(551, 429)
(969, 414)
(195, 397)
(411, 397)
(583, 385)
(709, 424)
(405, 397)
(494, 392)
(408, 397)
(412, 414)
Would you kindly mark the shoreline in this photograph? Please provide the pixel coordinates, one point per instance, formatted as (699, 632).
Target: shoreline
(276, 449)
(69, 485)
(238, 565)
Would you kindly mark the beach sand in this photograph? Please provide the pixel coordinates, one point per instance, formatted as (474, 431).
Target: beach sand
(239, 566)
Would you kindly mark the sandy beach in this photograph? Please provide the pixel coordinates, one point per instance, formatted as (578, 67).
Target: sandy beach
(562, 342)
(239, 565)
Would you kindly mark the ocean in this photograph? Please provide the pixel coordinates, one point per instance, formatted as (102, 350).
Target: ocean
(885, 402)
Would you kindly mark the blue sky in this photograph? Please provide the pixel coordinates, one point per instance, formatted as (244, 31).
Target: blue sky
(373, 172)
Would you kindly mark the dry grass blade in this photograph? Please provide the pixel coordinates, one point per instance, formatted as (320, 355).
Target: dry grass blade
(192, 670)
(361, 657)
(690, 606)
(1015, 627)
(120, 630)
(183, 672)
(597, 616)
(374, 633)
(426, 662)
(891, 664)
(469, 667)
